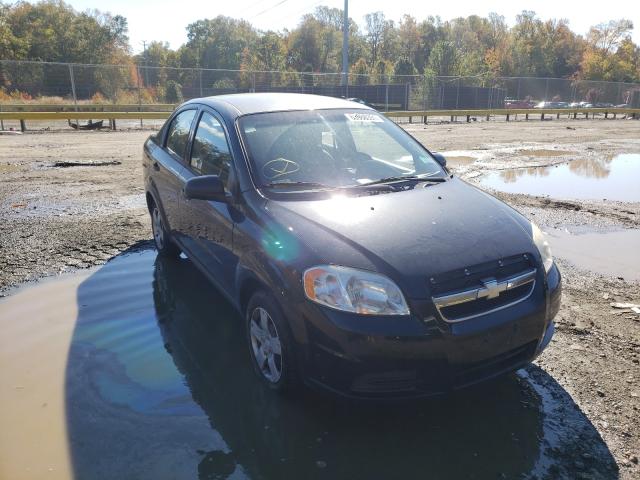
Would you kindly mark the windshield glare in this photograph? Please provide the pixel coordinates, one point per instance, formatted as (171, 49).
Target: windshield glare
(334, 148)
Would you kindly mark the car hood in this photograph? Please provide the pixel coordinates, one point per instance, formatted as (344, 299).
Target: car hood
(408, 235)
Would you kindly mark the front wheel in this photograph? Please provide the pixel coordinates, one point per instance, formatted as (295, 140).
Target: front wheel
(161, 238)
(270, 344)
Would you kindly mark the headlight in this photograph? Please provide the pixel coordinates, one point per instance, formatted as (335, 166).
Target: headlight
(540, 239)
(354, 290)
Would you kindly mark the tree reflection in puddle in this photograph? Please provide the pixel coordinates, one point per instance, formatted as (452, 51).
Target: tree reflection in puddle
(613, 178)
(159, 385)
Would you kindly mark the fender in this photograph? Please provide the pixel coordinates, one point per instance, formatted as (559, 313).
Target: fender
(258, 270)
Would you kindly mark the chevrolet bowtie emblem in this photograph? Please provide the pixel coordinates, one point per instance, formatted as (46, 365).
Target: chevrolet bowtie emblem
(491, 288)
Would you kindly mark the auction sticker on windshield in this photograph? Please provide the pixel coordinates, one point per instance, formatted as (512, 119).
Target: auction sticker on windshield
(363, 117)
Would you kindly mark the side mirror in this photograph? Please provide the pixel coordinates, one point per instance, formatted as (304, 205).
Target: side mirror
(205, 187)
(440, 159)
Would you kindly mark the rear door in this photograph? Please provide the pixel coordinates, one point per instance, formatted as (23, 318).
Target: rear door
(168, 166)
(206, 227)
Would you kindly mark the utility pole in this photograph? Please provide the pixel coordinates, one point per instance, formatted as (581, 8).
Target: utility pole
(144, 53)
(345, 45)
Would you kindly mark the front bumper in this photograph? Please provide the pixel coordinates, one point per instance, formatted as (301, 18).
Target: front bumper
(420, 355)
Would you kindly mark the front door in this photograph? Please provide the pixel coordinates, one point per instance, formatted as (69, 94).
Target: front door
(168, 168)
(206, 227)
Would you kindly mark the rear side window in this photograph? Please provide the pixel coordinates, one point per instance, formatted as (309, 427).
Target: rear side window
(178, 135)
(210, 154)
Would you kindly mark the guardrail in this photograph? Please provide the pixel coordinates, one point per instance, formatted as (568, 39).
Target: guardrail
(88, 107)
(162, 111)
(508, 112)
(82, 115)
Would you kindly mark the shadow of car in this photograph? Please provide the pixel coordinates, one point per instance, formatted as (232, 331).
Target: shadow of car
(159, 384)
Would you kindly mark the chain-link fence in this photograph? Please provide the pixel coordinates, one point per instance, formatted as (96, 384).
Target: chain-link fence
(53, 83)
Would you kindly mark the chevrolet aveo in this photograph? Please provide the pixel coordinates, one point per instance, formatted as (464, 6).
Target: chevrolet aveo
(359, 262)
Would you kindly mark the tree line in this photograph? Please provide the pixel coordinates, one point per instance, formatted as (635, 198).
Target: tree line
(466, 46)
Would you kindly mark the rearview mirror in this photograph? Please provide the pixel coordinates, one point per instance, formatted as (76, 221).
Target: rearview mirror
(205, 187)
(440, 159)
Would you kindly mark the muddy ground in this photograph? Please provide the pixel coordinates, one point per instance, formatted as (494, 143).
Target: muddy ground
(70, 200)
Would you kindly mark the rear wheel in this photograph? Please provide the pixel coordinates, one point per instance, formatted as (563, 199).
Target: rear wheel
(161, 237)
(270, 344)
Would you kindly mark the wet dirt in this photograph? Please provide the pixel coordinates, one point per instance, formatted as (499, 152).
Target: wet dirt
(613, 178)
(545, 153)
(614, 253)
(55, 220)
(459, 160)
(140, 369)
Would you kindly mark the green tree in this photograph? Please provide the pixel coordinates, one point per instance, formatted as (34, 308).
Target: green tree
(53, 31)
(174, 92)
(404, 66)
(304, 46)
(360, 72)
(376, 26)
(444, 59)
(382, 71)
(218, 42)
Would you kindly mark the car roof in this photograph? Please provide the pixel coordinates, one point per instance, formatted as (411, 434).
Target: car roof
(247, 103)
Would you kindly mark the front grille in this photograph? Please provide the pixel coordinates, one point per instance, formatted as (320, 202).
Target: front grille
(480, 289)
(483, 305)
(386, 382)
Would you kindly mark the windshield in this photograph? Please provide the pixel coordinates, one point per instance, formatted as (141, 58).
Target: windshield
(331, 148)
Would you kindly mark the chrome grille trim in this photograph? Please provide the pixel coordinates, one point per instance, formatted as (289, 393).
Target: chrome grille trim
(491, 289)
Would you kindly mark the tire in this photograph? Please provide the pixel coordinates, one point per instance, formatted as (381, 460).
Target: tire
(161, 238)
(270, 344)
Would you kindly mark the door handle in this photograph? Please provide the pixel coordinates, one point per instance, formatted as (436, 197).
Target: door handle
(156, 166)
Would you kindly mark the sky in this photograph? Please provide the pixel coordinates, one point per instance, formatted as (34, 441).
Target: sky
(166, 20)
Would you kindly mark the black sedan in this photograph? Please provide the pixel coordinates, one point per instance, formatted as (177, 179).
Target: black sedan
(360, 264)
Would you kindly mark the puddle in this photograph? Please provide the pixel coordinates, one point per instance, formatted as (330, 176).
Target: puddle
(610, 253)
(542, 153)
(587, 178)
(139, 369)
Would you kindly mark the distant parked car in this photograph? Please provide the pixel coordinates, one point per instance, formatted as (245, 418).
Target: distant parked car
(552, 105)
(360, 101)
(580, 105)
(359, 262)
(513, 103)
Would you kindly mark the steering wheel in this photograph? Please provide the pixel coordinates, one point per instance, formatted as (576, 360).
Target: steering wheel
(279, 167)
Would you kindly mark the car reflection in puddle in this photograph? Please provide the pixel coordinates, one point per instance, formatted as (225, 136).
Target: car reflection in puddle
(159, 385)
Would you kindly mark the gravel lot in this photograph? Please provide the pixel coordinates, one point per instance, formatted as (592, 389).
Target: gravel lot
(70, 200)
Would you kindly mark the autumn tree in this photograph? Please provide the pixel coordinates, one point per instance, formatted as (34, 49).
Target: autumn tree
(482, 47)
(382, 71)
(610, 54)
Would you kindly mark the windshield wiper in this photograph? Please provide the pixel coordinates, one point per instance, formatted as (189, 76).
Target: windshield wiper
(401, 178)
(314, 185)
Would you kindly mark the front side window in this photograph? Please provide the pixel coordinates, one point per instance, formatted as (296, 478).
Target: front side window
(334, 148)
(210, 154)
(178, 135)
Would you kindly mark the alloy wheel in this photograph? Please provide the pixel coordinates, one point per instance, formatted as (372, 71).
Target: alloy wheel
(265, 345)
(156, 225)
